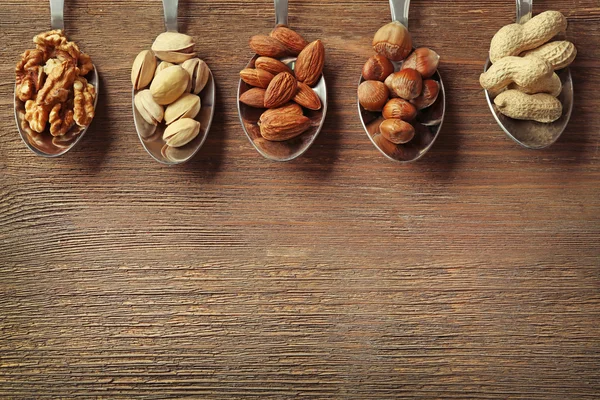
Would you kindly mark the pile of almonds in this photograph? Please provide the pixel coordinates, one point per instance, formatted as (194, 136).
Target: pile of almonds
(175, 82)
(400, 95)
(283, 93)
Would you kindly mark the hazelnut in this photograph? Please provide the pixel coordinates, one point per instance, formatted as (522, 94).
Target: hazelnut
(431, 90)
(393, 41)
(397, 131)
(406, 83)
(400, 109)
(373, 95)
(424, 60)
(377, 68)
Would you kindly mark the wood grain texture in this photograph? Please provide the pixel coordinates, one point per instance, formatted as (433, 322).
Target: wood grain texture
(473, 273)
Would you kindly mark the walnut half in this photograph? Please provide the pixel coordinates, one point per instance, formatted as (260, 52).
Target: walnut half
(83, 102)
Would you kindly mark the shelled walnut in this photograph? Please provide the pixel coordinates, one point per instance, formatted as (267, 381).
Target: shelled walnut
(50, 82)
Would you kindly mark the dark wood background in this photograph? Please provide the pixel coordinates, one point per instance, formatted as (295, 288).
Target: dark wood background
(473, 273)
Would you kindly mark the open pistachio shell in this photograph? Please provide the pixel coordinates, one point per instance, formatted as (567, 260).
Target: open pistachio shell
(187, 106)
(149, 110)
(169, 84)
(181, 132)
(173, 47)
(162, 65)
(143, 69)
(199, 74)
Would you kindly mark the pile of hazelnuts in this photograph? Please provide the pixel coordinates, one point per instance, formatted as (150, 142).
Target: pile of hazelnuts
(398, 82)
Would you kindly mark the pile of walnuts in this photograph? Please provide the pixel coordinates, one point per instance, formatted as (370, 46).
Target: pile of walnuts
(51, 83)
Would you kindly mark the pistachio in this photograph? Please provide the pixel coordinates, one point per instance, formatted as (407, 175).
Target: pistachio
(169, 84)
(199, 74)
(148, 108)
(173, 47)
(143, 69)
(187, 106)
(162, 65)
(181, 132)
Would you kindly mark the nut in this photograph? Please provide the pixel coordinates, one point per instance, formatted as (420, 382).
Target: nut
(292, 41)
(393, 41)
(254, 97)
(513, 39)
(282, 125)
(406, 84)
(169, 84)
(150, 110)
(256, 77)
(187, 106)
(281, 90)
(307, 98)
(29, 74)
(83, 102)
(57, 85)
(377, 68)
(271, 65)
(424, 60)
(539, 107)
(267, 46)
(310, 63)
(173, 47)
(143, 69)
(181, 132)
(397, 131)
(372, 95)
(291, 108)
(199, 74)
(431, 90)
(60, 119)
(522, 71)
(551, 85)
(36, 115)
(558, 54)
(399, 109)
(162, 65)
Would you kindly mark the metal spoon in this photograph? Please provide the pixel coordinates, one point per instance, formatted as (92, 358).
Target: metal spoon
(289, 149)
(532, 134)
(44, 144)
(151, 135)
(429, 121)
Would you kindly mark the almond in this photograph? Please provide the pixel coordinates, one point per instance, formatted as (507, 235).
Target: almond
(310, 62)
(280, 126)
(281, 90)
(267, 46)
(256, 77)
(291, 40)
(307, 98)
(271, 65)
(291, 108)
(254, 97)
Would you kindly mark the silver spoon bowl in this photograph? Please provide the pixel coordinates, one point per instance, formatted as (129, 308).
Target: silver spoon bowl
(429, 120)
(44, 144)
(295, 147)
(532, 134)
(151, 135)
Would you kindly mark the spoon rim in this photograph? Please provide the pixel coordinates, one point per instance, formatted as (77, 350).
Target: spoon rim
(203, 138)
(425, 149)
(324, 105)
(80, 135)
(566, 113)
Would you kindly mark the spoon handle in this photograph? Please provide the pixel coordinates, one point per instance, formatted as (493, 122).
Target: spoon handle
(400, 11)
(57, 20)
(170, 7)
(281, 12)
(524, 10)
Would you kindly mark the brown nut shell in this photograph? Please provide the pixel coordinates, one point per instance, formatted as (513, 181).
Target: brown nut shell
(267, 46)
(431, 90)
(399, 109)
(393, 41)
(256, 77)
(373, 95)
(424, 60)
(290, 39)
(290, 107)
(377, 68)
(307, 98)
(280, 126)
(406, 84)
(397, 131)
(271, 65)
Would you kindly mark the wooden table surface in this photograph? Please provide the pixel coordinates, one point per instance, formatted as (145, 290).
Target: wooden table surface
(473, 273)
